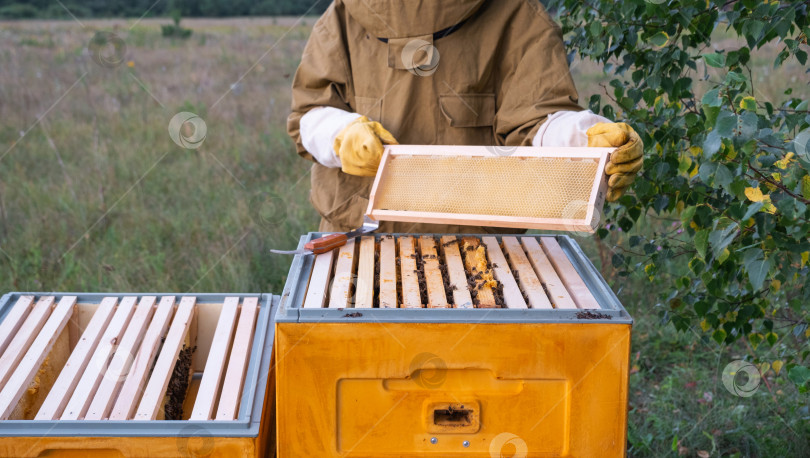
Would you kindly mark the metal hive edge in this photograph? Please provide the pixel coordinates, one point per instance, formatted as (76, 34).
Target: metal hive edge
(292, 298)
(247, 423)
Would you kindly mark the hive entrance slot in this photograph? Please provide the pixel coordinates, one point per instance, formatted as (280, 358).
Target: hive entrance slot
(452, 417)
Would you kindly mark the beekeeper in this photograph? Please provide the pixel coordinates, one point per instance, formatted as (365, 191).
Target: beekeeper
(463, 72)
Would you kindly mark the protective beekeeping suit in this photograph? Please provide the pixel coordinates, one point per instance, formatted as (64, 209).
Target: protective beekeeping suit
(464, 72)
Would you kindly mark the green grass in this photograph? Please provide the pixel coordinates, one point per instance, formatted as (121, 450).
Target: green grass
(96, 197)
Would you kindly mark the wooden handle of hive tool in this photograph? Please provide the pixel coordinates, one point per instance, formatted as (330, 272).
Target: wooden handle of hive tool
(326, 243)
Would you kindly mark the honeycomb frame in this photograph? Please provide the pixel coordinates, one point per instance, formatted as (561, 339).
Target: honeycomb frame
(547, 188)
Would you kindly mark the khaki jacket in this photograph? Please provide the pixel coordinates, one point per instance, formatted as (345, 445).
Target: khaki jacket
(501, 69)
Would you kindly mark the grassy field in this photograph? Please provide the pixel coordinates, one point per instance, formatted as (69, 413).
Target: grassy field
(95, 196)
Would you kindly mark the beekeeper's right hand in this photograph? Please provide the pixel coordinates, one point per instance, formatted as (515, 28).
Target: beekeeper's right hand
(359, 146)
(341, 139)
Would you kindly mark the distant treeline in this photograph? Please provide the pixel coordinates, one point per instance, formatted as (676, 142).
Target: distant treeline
(51, 9)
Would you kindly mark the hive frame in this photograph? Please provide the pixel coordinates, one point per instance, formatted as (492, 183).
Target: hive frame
(253, 392)
(295, 289)
(588, 224)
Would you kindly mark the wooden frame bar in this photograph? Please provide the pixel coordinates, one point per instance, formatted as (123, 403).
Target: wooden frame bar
(13, 320)
(63, 387)
(25, 371)
(512, 296)
(598, 194)
(131, 391)
(411, 298)
(463, 219)
(91, 378)
(341, 293)
(213, 374)
(568, 274)
(228, 406)
(319, 280)
(118, 369)
(484, 294)
(162, 372)
(455, 272)
(542, 266)
(587, 224)
(573, 152)
(364, 289)
(526, 276)
(25, 335)
(388, 272)
(433, 274)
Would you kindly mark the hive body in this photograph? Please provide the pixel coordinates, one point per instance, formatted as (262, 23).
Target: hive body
(542, 371)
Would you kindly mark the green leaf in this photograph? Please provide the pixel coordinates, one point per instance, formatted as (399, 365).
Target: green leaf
(748, 103)
(702, 242)
(725, 124)
(711, 99)
(715, 60)
(659, 39)
(757, 272)
(755, 338)
(806, 186)
(719, 335)
(724, 232)
(723, 176)
(772, 338)
(712, 144)
(799, 375)
(752, 210)
(687, 214)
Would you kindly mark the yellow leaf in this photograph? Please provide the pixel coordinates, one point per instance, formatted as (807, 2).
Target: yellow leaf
(696, 150)
(777, 177)
(754, 194)
(679, 207)
(805, 257)
(764, 367)
(731, 153)
(723, 256)
(776, 285)
(693, 225)
(768, 206)
(807, 332)
(777, 366)
(748, 103)
(783, 163)
(706, 326)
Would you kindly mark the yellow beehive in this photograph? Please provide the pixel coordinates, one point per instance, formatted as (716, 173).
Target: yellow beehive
(434, 369)
(135, 375)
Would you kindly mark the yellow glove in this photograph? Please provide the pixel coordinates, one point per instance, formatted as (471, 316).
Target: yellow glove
(625, 161)
(360, 146)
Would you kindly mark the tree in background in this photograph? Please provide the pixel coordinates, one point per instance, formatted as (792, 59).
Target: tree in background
(730, 165)
(47, 9)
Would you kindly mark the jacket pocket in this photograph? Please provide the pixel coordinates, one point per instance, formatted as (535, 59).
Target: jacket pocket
(468, 110)
(370, 107)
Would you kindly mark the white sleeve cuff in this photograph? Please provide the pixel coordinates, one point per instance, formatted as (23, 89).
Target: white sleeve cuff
(319, 127)
(567, 128)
